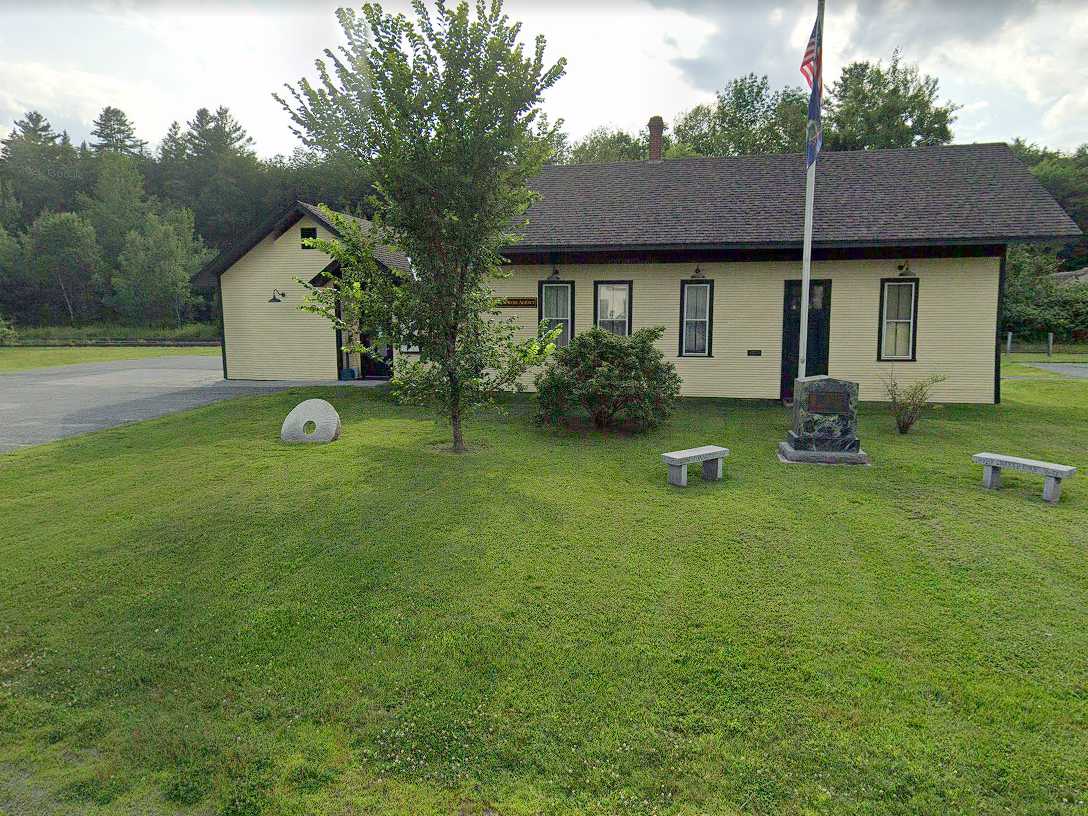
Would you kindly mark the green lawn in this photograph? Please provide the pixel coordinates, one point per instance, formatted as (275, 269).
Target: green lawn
(195, 618)
(22, 358)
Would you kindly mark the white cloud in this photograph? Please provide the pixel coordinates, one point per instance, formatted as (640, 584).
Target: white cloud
(79, 94)
(619, 64)
(1019, 74)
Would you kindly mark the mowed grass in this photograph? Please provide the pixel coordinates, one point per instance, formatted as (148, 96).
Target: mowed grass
(196, 618)
(24, 358)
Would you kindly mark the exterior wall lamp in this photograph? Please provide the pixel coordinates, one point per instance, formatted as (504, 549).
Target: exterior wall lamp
(697, 274)
(276, 296)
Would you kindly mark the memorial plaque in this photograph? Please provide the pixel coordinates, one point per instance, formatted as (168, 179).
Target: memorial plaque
(828, 402)
(825, 423)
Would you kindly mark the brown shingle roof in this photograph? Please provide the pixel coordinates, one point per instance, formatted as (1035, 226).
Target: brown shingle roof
(951, 194)
(278, 223)
(391, 258)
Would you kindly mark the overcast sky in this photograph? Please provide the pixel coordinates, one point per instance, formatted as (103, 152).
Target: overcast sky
(1017, 67)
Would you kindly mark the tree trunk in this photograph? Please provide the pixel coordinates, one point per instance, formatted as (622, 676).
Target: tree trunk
(455, 424)
(67, 302)
(455, 410)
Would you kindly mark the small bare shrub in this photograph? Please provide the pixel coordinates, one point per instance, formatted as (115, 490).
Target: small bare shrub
(907, 401)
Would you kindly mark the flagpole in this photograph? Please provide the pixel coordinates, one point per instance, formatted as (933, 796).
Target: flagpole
(806, 271)
(810, 197)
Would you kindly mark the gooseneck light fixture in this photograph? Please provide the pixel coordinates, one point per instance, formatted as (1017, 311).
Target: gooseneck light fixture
(276, 296)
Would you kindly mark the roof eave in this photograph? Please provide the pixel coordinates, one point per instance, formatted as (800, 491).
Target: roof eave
(734, 246)
(210, 273)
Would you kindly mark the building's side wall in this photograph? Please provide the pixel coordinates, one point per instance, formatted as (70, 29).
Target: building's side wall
(276, 341)
(957, 314)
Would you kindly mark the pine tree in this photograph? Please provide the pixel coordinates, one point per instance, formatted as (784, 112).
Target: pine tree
(218, 134)
(174, 146)
(41, 166)
(34, 130)
(169, 176)
(223, 176)
(115, 134)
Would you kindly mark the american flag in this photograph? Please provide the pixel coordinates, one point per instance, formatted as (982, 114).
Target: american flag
(812, 68)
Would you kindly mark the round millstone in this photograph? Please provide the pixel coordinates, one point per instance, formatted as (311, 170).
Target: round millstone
(326, 422)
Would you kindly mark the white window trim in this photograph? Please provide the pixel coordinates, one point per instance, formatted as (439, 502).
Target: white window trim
(597, 286)
(569, 319)
(885, 320)
(684, 319)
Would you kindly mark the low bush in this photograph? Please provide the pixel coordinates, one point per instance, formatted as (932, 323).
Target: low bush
(188, 332)
(617, 381)
(908, 402)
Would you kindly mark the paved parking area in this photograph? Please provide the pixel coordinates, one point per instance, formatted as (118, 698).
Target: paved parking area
(50, 403)
(1078, 370)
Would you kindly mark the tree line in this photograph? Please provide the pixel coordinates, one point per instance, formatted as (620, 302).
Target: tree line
(110, 230)
(870, 106)
(113, 230)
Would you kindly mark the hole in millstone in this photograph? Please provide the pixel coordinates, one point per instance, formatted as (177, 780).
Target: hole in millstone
(309, 427)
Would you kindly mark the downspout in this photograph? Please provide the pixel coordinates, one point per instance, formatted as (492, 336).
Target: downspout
(1000, 316)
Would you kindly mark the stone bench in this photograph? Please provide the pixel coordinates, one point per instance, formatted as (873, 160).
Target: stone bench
(1052, 474)
(710, 455)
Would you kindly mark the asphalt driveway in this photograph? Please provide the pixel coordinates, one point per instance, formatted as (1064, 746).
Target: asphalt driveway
(1077, 370)
(50, 403)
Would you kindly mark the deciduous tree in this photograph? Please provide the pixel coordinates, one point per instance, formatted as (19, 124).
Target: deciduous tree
(606, 144)
(151, 284)
(1034, 304)
(747, 117)
(876, 106)
(443, 110)
(63, 257)
(118, 203)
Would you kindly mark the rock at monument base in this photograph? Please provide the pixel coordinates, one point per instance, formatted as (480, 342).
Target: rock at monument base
(791, 455)
(324, 417)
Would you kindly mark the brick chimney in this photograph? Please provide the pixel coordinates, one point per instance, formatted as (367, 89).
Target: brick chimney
(657, 127)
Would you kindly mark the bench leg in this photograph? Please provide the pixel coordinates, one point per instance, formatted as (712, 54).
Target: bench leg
(678, 475)
(712, 470)
(991, 477)
(1052, 489)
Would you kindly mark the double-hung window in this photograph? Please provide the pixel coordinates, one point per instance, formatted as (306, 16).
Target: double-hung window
(612, 306)
(898, 319)
(557, 308)
(696, 318)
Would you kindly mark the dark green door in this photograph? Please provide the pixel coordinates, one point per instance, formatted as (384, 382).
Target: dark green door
(819, 331)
